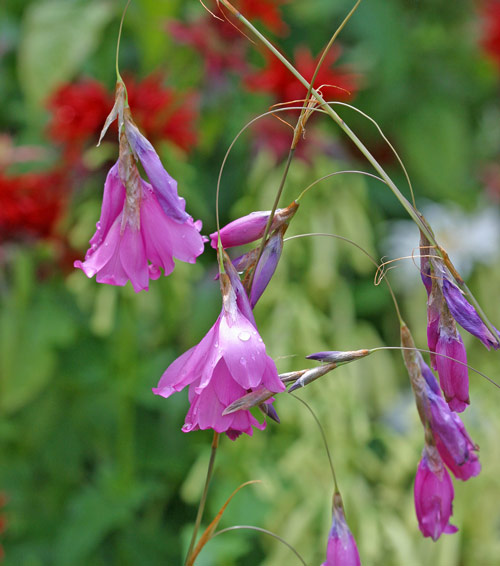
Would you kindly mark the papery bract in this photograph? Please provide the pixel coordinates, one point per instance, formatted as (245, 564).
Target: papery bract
(229, 362)
(433, 493)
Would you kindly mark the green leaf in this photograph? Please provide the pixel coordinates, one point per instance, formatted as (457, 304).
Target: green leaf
(58, 36)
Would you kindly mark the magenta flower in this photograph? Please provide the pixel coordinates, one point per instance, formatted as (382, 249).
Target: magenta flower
(127, 237)
(453, 375)
(143, 226)
(433, 492)
(341, 549)
(453, 442)
(229, 362)
(251, 227)
(445, 343)
(466, 315)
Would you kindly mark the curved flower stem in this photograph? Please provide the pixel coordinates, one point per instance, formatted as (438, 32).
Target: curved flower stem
(413, 213)
(201, 506)
(118, 76)
(367, 254)
(273, 210)
(323, 436)
(423, 350)
(265, 531)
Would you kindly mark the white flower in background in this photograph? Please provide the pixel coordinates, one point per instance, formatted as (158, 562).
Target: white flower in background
(469, 239)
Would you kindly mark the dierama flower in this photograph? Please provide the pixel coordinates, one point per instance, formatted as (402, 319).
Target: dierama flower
(341, 549)
(140, 222)
(448, 432)
(433, 493)
(448, 356)
(251, 227)
(452, 440)
(267, 264)
(229, 362)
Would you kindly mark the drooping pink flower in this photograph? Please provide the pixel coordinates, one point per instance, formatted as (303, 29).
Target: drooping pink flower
(229, 362)
(448, 355)
(143, 226)
(341, 549)
(433, 493)
(452, 440)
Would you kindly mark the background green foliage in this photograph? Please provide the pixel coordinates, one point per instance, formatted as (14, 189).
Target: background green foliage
(95, 467)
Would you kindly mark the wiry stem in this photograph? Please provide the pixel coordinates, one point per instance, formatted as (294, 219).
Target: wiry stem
(273, 210)
(323, 436)
(265, 531)
(368, 255)
(413, 213)
(201, 506)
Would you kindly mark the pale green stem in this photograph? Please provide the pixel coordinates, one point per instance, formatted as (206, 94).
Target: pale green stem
(265, 531)
(201, 506)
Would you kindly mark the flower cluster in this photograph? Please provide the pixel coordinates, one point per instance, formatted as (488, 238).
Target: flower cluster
(447, 445)
(275, 79)
(30, 204)
(78, 111)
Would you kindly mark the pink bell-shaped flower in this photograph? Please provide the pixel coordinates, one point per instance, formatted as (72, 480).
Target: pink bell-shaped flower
(433, 492)
(229, 362)
(143, 226)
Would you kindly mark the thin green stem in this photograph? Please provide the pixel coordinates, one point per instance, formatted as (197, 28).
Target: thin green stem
(413, 213)
(273, 210)
(423, 350)
(323, 436)
(309, 187)
(265, 531)
(118, 76)
(323, 56)
(201, 506)
(360, 248)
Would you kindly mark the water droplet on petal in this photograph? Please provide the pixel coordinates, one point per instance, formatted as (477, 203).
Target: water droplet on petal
(243, 362)
(244, 336)
(98, 225)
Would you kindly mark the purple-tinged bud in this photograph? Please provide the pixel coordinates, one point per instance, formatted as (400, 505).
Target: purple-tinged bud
(251, 227)
(433, 494)
(341, 549)
(338, 356)
(452, 439)
(466, 315)
(267, 265)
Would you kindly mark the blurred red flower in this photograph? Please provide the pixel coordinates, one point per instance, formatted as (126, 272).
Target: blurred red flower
(161, 113)
(277, 80)
(267, 11)
(30, 204)
(78, 112)
(220, 44)
(490, 41)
